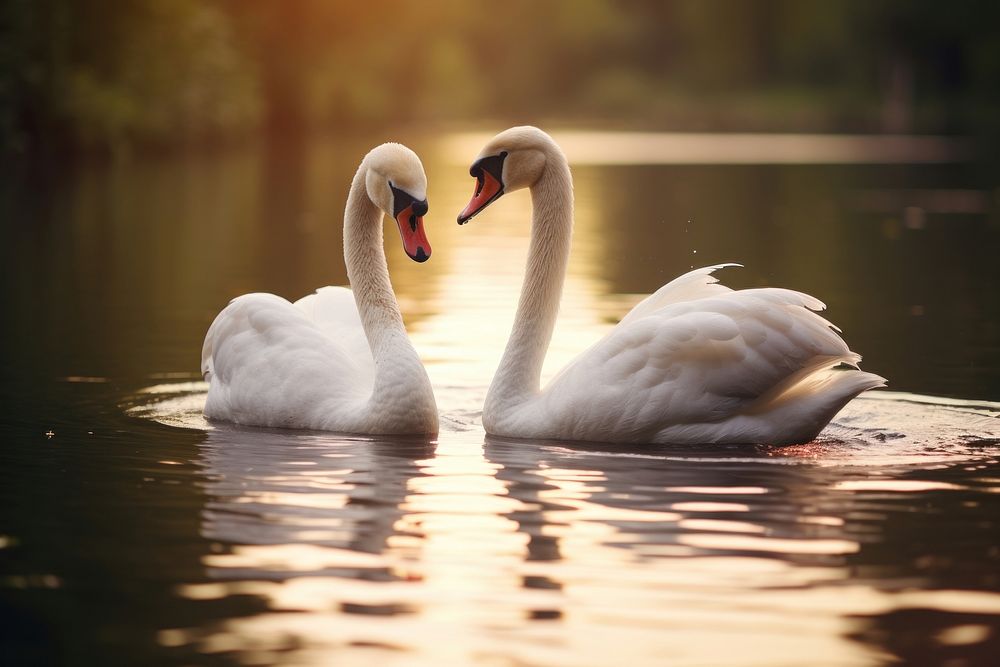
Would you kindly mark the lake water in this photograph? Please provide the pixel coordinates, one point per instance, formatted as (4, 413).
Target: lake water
(133, 532)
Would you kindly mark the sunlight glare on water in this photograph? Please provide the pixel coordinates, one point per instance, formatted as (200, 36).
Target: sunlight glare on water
(455, 552)
(469, 549)
(552, 552)
(631, 148)
(873, 544)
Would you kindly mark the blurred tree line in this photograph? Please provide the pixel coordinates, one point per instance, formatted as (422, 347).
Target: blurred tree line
(110, 74)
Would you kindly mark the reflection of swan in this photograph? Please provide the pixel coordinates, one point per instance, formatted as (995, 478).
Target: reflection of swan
(333, 360)
(317, 493)
(694, 362)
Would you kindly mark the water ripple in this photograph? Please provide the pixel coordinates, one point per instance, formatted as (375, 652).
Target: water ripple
(578, 547)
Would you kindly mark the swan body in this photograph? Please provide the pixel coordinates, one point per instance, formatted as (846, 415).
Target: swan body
(336, 360)
(693, 363)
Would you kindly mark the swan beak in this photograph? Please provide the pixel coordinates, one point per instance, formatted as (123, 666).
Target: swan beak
(411, 228)
(489, 186)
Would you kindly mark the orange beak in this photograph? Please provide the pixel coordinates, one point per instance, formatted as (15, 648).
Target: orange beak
(411, 229)
(488, 188)
(488, 172)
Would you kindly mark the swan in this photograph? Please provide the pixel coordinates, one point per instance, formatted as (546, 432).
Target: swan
(693, 363)
(335, 360)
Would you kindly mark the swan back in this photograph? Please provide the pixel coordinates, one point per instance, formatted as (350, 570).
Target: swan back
(336, 360)
(694, 362)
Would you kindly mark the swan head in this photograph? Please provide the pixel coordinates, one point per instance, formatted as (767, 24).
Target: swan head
(395, 181)
(512, 160)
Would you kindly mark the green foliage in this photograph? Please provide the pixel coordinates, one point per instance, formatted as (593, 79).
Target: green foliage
(102, 74)
(108, 74)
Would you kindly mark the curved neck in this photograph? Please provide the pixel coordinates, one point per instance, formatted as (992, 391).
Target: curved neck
(519, 375)
(368, 274)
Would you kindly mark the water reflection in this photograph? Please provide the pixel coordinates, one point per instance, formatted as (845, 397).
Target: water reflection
(310, 524)
(645, 148)
(873, 543)
(651, 496)
(623, 528)
(634, 541)
(318, 548)
(267, 489)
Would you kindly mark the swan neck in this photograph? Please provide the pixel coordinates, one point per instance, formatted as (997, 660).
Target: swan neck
(368, 274)
(519, 375)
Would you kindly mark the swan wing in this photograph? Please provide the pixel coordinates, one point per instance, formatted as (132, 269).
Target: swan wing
(695, 284)
(696, 361)
(269, 364)
(335, 312)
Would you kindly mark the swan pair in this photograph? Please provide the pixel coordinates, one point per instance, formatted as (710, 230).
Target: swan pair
(695, 362)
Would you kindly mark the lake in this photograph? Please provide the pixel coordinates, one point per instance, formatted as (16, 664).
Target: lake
(134, 532)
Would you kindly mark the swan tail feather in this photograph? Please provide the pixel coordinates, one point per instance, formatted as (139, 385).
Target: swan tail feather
(805, 402)
(215, 332)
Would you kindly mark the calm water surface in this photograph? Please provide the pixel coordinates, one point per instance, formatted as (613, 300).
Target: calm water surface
(133, 532)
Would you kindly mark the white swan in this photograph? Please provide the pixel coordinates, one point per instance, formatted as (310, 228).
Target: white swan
(693, 363)
(333, 360)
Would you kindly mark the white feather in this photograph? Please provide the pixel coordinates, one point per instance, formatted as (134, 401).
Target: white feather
(695, 362)
(269, 363)
(312, 364)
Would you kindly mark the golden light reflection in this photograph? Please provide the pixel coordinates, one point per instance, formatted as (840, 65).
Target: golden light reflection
(632, 148)
(526, 553)
(717, 525)
(293, 558)
(515, 555)
(783, 546)
(686, 634)
(895, 485)
(719, 490)
(316, 500)
(709, 507)
(822, 520)
(962, 635)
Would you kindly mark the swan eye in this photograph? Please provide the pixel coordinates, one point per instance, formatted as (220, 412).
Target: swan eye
(400, 200)
(491, 164)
